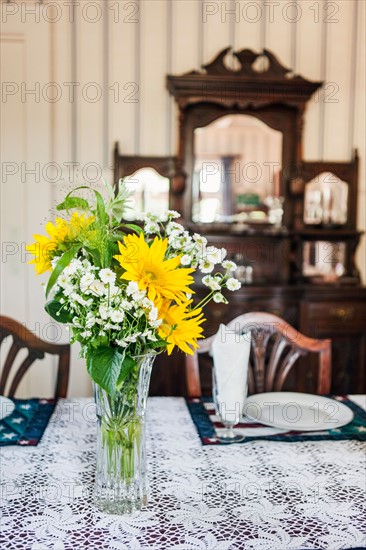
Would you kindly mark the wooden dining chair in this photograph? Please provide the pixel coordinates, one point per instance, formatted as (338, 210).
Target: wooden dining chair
(275, 347)
(37, 348)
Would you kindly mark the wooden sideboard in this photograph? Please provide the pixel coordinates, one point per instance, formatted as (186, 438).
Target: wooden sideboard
(301, 262)
(322, 311)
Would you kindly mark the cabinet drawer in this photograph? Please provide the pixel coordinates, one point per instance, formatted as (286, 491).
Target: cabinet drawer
(343, 315)
(221, 313)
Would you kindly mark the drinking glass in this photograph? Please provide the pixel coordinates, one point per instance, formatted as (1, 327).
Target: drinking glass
(229, 407)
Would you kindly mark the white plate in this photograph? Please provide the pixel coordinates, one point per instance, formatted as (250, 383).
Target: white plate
(6, 407)
(297, 411)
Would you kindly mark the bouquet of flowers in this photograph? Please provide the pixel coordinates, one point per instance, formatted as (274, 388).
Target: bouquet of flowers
(125, 289)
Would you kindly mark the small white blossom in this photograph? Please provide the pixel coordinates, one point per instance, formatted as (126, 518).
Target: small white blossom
(151, 227)
(133, 337)
(85, 281)
(215, 255)
(117, 316)
(150, 336)
(63, 280)
(73, 266)
(211, 282)
(90, 320)
(174, 241)
(153, 313)
(68, 290)
(206, 267)
(114, 291)
(121, 343)
(173, 214)
(155, 324)
(185, 259)
(174, 227)
(199, 239)
(104, 311)
(126, 305)
(98, 288)
(233, 284)
(218, 298)
(229, 265)
(132, 288)
(107, 276)
(79, 299)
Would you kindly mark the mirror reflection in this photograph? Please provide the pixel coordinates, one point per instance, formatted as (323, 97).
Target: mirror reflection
(237, 169)
(324, 259)
(151, 192)
(326, 200)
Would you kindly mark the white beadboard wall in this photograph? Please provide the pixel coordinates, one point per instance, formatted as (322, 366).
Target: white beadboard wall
(108, 60)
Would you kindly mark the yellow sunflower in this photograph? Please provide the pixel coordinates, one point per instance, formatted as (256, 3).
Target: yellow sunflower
(180, 326)
(147, 266)
(78, 224)
(44, 247)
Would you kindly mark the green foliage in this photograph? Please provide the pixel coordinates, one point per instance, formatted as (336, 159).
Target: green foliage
(127, 368)
(73, 202)
(60, 266)
(57, 311)
(104, 367)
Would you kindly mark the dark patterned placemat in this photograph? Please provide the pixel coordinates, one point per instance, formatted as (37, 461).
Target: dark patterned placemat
(26, 424)
(203, 416)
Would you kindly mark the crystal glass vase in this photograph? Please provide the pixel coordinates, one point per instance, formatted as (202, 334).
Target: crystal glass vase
(121, 483)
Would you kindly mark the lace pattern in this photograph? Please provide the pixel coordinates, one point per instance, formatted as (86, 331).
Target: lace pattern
(262, 495)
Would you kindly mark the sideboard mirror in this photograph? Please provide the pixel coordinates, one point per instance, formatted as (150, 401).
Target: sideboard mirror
(236, 168)
(240, 138)
(151, 179)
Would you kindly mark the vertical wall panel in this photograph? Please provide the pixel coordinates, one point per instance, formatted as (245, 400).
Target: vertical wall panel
(26, 196)
(186, 15)
(90, 90)
(13, 152)
(308, 64)
(153, 71)
(248, 26)
(279, 23)
(38, 188)
(124, 21)
(216, 20)
(337, 94)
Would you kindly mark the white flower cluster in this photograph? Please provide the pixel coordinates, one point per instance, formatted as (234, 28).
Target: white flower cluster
(103, 311)
(195, 252)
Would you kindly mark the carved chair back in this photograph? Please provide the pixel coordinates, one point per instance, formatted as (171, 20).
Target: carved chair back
(275, 348)
(23, 338)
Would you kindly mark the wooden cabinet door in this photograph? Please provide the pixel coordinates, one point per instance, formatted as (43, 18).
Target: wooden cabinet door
(345, 323)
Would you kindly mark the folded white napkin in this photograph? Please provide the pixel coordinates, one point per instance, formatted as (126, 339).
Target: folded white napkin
(230, 352)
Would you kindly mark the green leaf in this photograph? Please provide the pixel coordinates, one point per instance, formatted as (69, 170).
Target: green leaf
(101, 211)
(118, 236)
(104, 366)
(60, 266)
(73, 202)
(109, 189)
(127, 368)
(134, 227)
(117, 208)
(57, 311)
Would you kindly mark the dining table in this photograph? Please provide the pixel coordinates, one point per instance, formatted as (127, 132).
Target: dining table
(258, 494)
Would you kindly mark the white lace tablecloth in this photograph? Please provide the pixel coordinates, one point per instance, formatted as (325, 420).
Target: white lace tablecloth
(259, 495)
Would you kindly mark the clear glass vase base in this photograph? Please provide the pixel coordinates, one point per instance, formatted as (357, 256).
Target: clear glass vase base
(109, 504)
